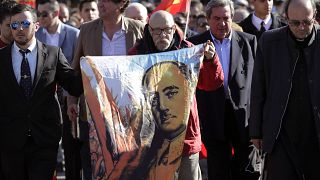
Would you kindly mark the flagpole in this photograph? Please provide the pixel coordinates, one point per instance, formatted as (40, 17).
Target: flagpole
(187, 21)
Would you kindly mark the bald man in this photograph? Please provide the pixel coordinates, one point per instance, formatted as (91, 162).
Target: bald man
(64, 14)
(285, 116)
(137, 11)
(162, 35)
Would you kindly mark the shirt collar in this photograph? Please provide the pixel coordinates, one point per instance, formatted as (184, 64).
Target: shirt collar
(257, 21)
(120, 31)
(58, 29)
(228, 39)
(31, 48)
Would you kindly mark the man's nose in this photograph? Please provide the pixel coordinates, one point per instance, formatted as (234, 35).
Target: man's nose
(302, 26)
(162, 34)
(20, 28)
(223, 23)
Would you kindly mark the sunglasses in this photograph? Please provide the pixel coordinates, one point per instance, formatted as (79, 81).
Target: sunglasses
(24, 24)
(297, 23)
(43, 14)
(194, 16)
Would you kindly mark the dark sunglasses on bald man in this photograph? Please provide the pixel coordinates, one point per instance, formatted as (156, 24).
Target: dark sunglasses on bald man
(296, 23)
(24, 24)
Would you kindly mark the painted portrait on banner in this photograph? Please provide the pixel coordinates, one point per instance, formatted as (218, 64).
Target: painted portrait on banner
(139, 108)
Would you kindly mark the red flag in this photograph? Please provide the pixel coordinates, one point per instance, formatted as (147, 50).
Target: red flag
(174, 6)
(32, 3)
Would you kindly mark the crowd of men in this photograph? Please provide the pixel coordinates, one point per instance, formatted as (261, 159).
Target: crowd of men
(260, 85)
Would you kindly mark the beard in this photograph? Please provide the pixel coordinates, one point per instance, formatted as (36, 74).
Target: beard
(21, 41)
(162, 45)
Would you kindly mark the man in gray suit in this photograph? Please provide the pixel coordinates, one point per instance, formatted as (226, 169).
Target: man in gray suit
(53, 32)
(56, 33)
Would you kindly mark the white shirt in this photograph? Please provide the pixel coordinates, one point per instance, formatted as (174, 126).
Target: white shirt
(17, 59)
(53, 39)
(257, 22)
(115, 46)
(223, 50)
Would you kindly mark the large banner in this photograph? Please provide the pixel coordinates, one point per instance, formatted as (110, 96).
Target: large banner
(139, 109)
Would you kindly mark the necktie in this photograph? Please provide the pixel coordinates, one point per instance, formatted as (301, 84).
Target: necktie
(262, 28)
(25, 80)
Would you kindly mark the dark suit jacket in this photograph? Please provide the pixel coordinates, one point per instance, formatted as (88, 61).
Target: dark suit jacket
(272, 83)
(248, 27)
(211, 104)
(41, 114)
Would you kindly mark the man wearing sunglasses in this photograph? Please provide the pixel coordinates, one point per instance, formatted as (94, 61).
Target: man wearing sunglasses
(54, 32)
(285, 115)
(30, 116)
(261, 19)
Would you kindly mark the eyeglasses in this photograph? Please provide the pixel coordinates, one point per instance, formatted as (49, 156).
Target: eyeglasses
(297, 23)
(24, 24)
(194, 16)
(158, 31)
(43, 14)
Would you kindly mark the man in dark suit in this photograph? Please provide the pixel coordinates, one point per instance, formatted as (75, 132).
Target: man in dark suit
(224, 112)
(261, 19)
(30, 116)
(285, 116)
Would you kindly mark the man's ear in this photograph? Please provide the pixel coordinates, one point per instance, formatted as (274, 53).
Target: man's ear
(36, 26)
(174, 28)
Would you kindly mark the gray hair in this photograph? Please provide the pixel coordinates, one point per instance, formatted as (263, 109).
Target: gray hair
(219, 3)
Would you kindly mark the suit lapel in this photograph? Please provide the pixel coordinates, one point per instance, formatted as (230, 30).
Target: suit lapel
(41, 36)
(236, 49)
(41, 58)
(129, 35)
(62, 35)
(97, 38)
(9, 71)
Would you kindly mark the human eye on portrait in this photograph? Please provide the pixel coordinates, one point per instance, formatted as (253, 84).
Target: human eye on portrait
(171, 92)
